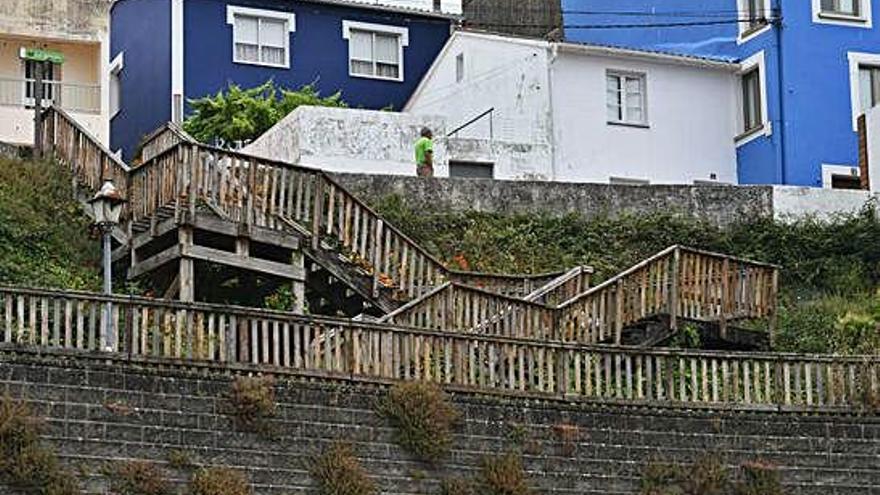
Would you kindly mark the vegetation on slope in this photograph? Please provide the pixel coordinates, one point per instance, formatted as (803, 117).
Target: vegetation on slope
(44, 235)
(829, 280)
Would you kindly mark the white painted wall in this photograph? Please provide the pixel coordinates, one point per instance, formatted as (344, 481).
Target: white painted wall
(691, 123)
(350, 140)
(559, 101)
(791, 203)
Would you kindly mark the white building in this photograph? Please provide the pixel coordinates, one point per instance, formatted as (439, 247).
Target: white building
(78, 30)
(603, 114)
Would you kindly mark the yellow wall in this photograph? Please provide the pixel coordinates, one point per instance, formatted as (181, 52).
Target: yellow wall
(82, 61)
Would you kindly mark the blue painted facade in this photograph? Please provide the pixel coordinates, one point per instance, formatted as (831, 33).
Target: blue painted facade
(318, 54)
(807, 72)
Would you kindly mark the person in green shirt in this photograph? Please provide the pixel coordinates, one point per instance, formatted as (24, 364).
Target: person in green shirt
(425, 154)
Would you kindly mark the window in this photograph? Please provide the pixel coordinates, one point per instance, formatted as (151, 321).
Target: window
(751, 100)
(869, 87)
(847, 8)
(756, 14)
(51, 78)
(626, 99)
(459, 67)
(261, 37)
(471, 170)
(375, 51)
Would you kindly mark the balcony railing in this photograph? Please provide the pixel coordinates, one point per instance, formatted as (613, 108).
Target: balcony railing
(72, 97)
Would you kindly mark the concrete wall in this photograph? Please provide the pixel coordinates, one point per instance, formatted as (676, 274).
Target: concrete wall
(792, 202)
(717, 204)
(99, 412)
(82, 20)
(346, 140)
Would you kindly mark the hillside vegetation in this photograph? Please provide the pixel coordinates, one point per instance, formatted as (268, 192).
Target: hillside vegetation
(44, 235)
(829, 279)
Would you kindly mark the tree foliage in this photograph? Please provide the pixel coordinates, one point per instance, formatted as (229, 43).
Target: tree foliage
(240, 115)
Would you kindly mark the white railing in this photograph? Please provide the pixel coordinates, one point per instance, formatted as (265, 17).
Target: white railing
(83, 98)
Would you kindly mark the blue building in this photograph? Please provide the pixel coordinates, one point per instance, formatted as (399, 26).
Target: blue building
(166, 52)
(809, 69)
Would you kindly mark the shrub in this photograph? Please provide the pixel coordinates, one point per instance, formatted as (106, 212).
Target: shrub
(457, 486)
(708, 476)
(424, 418)
(219, 481)
(241, 115)
(44, 234)
(253, 402)
(338, 472)
(658, 476)
(25, 463)
(138, 478)
(180, 459)
(760, 478)
(502, 475)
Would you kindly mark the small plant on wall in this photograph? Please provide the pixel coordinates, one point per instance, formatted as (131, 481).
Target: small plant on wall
(26, 464)
(503, 475)
(220, 481)
(137, 478)
(424, 418)
(252, 400)
(338, 472)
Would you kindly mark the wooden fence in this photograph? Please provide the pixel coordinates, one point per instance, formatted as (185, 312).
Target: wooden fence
(562, 289)
(679, 282)
(507, 285)
(152, 328)
(161, 140)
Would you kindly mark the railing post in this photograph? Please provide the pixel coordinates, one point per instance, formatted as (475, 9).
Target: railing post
(251, 191)
(317, 211)
(377, 256)
(774, 307)
(192, 156)
(673, 291)
(725, 297)
(618, 316)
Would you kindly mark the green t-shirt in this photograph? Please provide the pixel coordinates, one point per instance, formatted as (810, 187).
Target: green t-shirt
(423, 146)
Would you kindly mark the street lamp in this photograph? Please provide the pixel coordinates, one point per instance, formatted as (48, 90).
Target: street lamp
(106, 209)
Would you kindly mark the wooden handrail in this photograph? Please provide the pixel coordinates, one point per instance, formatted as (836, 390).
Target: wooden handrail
(201, 333)
(564, 287)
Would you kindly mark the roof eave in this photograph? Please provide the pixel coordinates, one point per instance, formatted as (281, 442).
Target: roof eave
(610, 51)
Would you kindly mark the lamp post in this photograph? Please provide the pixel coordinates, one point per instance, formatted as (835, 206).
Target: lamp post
(106, 209)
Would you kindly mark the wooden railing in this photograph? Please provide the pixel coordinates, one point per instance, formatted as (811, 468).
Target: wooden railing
(562, 289)
(679, 282)
(73, 146)
(508, 285)
(343, 348)
(161, 140)
(266, 193)
(453, 307)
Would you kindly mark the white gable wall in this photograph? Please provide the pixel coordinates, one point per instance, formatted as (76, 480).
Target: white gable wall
(691, 123)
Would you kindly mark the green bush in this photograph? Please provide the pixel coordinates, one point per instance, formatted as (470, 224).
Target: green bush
(25, 463)
(253, 403)
(338, 472)
(424, 418)
(219, 481)
(503, 475)
(44, 234)
(138, 478)
(237, 114)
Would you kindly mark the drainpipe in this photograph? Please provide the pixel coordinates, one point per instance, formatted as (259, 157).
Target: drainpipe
(781, 72)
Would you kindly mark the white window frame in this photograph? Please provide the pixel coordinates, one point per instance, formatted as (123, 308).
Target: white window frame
(856, 61)
(288, 17)
(115, 68)
(402, 42)
(830, 170)
(864, 20)
(766, 129)
(745, 34)
(629, 74)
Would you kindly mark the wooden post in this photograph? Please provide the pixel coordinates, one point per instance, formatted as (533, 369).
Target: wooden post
(38, 109)
(187, 270)
(618, 317)
(299, 285)
(317, 211)
(377, 256)
(725, 297)
(774, 307)
(673, 296)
